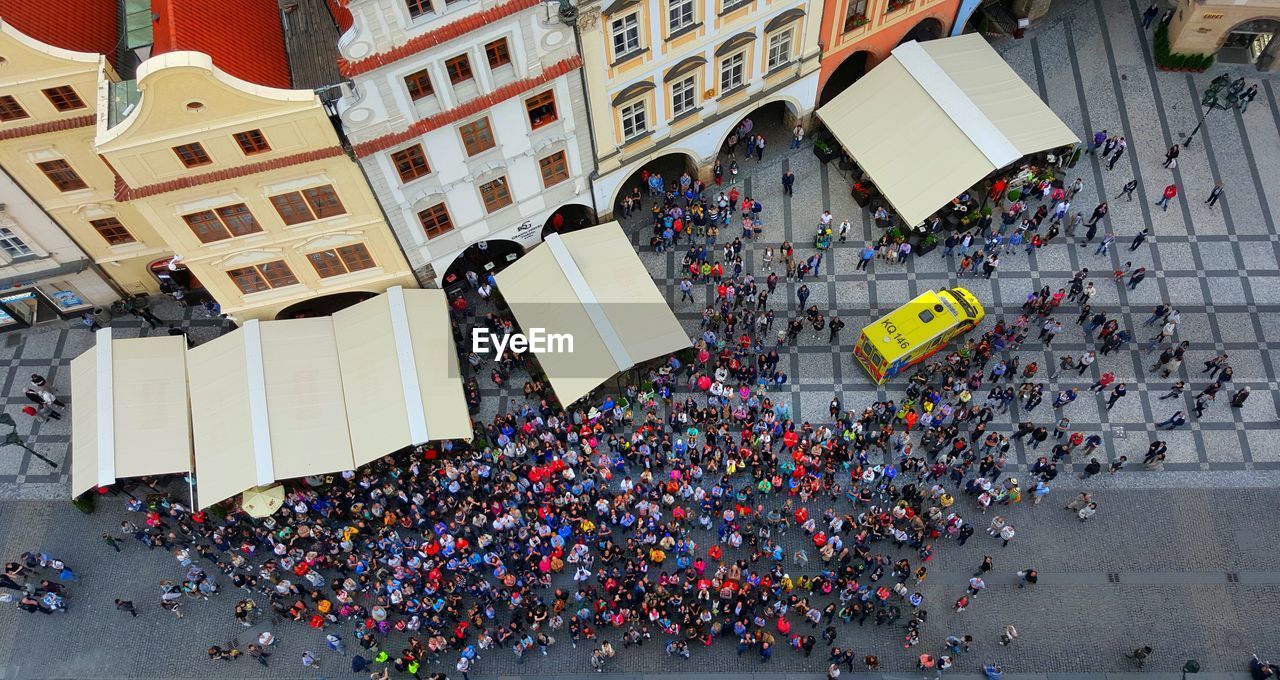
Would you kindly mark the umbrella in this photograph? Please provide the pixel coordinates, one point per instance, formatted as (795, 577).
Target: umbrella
(262, 501)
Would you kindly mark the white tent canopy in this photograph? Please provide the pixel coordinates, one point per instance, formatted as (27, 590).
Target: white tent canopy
(591, 285)
(273, 400)
(131, 417)
(400, 345)
(935, 118)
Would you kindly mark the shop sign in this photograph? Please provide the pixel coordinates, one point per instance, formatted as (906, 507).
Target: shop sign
(67, 299)
(19, 297)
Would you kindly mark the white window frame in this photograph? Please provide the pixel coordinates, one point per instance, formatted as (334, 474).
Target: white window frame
(13, 246)
(638, 109)
(777, 40)
(684, 90)
(734, 62)
(680, 14)
(628, 29)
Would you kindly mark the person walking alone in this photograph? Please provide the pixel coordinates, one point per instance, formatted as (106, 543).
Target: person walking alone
(1127, 191)
(788, 181)
(1170, 192)
(1214, 195)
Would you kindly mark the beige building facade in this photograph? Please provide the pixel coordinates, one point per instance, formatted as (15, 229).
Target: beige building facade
(676, 77)
(1234, 31)
(249, 186)
(48, 113)
(44, 275)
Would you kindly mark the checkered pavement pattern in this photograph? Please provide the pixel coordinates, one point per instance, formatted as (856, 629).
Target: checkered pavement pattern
(48, 350)
(1216, 265)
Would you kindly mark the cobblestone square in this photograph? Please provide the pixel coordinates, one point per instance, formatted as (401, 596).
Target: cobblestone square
(1182, 558)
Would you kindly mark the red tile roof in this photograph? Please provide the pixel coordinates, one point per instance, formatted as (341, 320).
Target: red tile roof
(244, 37)
(80, 25)
(341, 15)
(124, 192)
(436, 36)
(51, 126)
(472, 106)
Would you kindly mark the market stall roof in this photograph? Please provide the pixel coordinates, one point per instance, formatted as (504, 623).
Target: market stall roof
(935, 118)
(131, 417)
(282, 399)
(269, 405)
(393, 345)
(591, 286)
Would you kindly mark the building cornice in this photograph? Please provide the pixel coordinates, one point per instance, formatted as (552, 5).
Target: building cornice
(435, 36)
(470, 107)
(48, 127)
(125, 193)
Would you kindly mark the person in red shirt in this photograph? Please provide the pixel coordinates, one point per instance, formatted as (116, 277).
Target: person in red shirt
(1170, 192)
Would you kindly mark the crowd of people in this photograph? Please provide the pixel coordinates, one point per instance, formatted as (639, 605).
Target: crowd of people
(693, 509)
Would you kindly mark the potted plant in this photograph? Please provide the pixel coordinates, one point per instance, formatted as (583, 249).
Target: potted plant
(1014, 195)
(824, 150)
(928, 243)
(854, 22)
(86, 502)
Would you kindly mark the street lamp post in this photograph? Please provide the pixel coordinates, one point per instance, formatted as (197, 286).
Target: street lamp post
(1215, 98)
(12, 439)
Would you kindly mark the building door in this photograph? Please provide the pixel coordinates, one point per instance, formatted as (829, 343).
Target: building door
(1246, 43)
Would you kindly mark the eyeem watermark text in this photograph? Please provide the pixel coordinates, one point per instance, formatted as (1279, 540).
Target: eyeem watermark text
(537, 340)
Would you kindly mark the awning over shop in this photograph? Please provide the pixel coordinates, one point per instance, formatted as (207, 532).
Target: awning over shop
(937, 117)
(131, 416)
(273, 400)
(591, 286)
(283, 399)
(400, 345)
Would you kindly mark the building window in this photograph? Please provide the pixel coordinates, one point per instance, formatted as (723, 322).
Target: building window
(192, 155)
(679, 14)
(111, 230)
(459, 69)
(12, 246)
(779, 50)
(476, 136)
(316, 203)
(62, 175)
(338, 261)
(542, 109)
(324, 201)
(730, 5)
(626, 35)
(419, 85)
(262, 277)
(418, 8)
(684, 96)
(495, 194)
(292, 208)
(251, 142)
(856, 15)
(498, 53)
(555, 169)
(435, 220)
(731, 72)
(634, 120)
(10, 109)
(221, 224)
(64, 98)
(411, 163)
